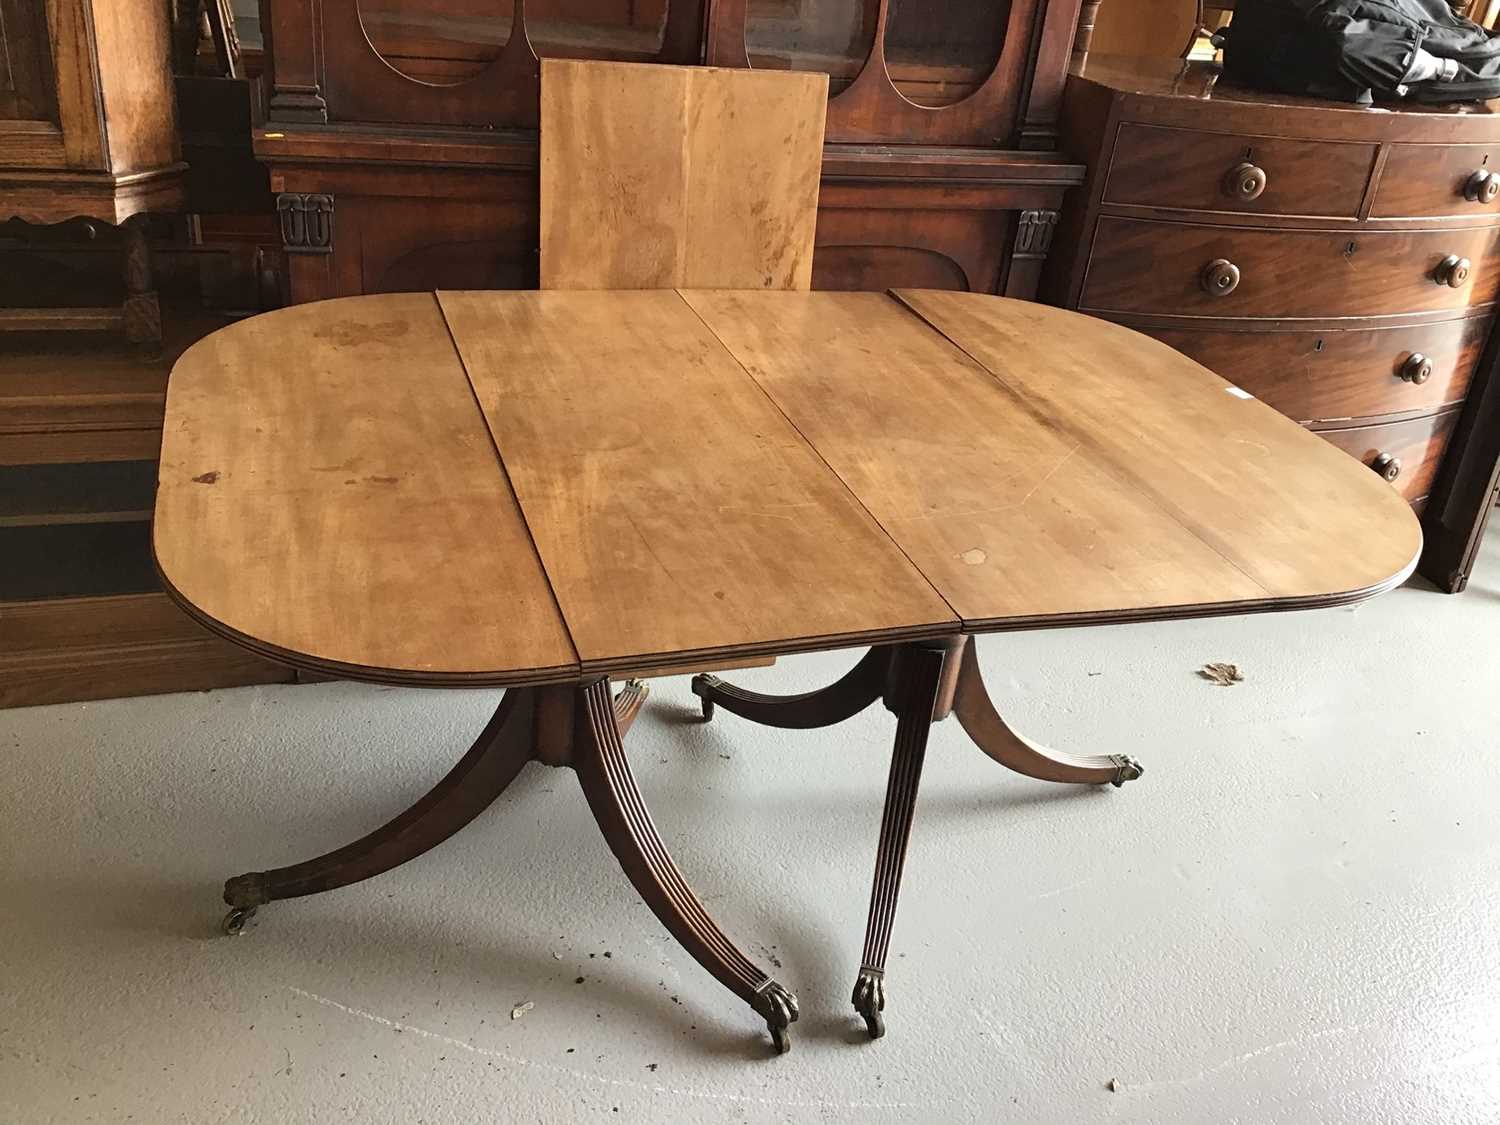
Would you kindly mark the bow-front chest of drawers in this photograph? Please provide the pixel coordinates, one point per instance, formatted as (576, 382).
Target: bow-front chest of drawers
(1342, 263)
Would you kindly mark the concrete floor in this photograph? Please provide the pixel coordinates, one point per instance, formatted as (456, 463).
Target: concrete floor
(1292, 918)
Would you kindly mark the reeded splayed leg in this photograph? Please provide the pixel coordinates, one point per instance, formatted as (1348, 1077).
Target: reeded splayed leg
(504, 746)
(604, 772)
(977, 714)
(915, 680)
(840, 700)
(628, 703)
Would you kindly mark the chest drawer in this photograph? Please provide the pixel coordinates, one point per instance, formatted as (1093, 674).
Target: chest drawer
(1187, 269)
(1158, 167)
(1414, 449)
(1430, 180)
(1327, 376)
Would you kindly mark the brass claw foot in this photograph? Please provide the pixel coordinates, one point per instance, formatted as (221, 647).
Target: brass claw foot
(869, 1000)
(778, 1005)
(1127, 769)
(702, 685)
(236, 920)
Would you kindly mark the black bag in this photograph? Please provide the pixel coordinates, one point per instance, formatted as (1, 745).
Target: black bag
(1351, 49)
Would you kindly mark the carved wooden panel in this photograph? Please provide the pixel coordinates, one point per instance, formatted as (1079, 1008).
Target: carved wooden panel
(398, 244)
(875, 247)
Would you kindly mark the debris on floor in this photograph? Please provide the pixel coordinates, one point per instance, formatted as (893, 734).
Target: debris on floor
(1221, 674)
(521, 1009)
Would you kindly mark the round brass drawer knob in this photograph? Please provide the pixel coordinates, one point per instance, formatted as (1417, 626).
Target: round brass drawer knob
(1220, 277)
(1482, 187)
(1417, 368)
(1387, 466)
(1453, 271)
(1245, 182)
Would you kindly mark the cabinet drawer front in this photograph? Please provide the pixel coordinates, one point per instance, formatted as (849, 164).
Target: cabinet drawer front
(1158, 167)
(1420, 180)
(1418, 444)
(1144, 266)
(1327, 376)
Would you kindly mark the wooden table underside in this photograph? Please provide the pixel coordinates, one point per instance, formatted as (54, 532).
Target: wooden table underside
(545, 490)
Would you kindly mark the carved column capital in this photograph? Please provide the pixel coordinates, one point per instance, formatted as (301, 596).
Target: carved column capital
(1034, 233)
(306, 222)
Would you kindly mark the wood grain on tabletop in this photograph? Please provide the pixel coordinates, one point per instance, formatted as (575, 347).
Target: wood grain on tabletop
(677, 511)
(329, 489)
(658, 176)
(1006, 514)
(1289, 511)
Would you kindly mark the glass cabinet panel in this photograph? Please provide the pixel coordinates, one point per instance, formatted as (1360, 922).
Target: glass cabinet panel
(940, 51)
(445, 42)
(440, 42)
(631, 30)
(834, 36)
(28, 91)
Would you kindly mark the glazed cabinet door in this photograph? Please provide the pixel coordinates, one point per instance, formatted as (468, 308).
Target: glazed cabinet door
(455, 62)
(49, 114)
(938, 72)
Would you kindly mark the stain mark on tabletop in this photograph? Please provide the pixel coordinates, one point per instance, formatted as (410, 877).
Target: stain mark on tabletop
(347, 335)
(207, 478)
(974, 556)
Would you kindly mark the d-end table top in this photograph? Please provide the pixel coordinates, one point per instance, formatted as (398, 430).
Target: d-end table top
(527, 487)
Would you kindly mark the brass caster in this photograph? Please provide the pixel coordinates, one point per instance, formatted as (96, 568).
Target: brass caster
(1127, 769)
(236, 920)
(869, 1000)
(779, 1007)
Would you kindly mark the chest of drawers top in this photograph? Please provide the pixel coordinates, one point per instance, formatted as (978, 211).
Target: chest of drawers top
(1179, 139)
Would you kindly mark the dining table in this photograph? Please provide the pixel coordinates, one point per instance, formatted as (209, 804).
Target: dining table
(567, 493)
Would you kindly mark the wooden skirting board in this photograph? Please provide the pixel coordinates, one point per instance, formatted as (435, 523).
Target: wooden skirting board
(72, 649)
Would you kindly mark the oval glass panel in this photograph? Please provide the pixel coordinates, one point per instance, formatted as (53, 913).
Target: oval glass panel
(834, 36)
(624, 30)
(941, 51)
(439, 42)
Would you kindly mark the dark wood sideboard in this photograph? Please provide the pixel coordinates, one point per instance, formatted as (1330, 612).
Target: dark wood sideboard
(1341, 263)
(401, 135)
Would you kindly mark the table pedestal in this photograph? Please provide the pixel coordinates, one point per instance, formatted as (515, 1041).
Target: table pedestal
(582, 726)
(921, 683)
(579, 726)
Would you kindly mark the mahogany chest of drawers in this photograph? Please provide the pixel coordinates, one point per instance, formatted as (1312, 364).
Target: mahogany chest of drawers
(1342, 263)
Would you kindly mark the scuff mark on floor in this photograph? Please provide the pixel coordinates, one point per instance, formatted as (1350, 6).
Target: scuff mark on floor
(645, 1087)
(1240, 1060)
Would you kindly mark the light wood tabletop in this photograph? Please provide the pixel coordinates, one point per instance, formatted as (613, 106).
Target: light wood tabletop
(1041, 466)
(329, 495)
(504, 487)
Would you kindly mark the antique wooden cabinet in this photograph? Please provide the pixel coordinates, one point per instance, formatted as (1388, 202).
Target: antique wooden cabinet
(1340, 262)
(401, 134)
(88, 133)
(86, 120)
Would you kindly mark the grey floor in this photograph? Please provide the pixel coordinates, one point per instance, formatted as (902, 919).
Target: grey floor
(1292, 918)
